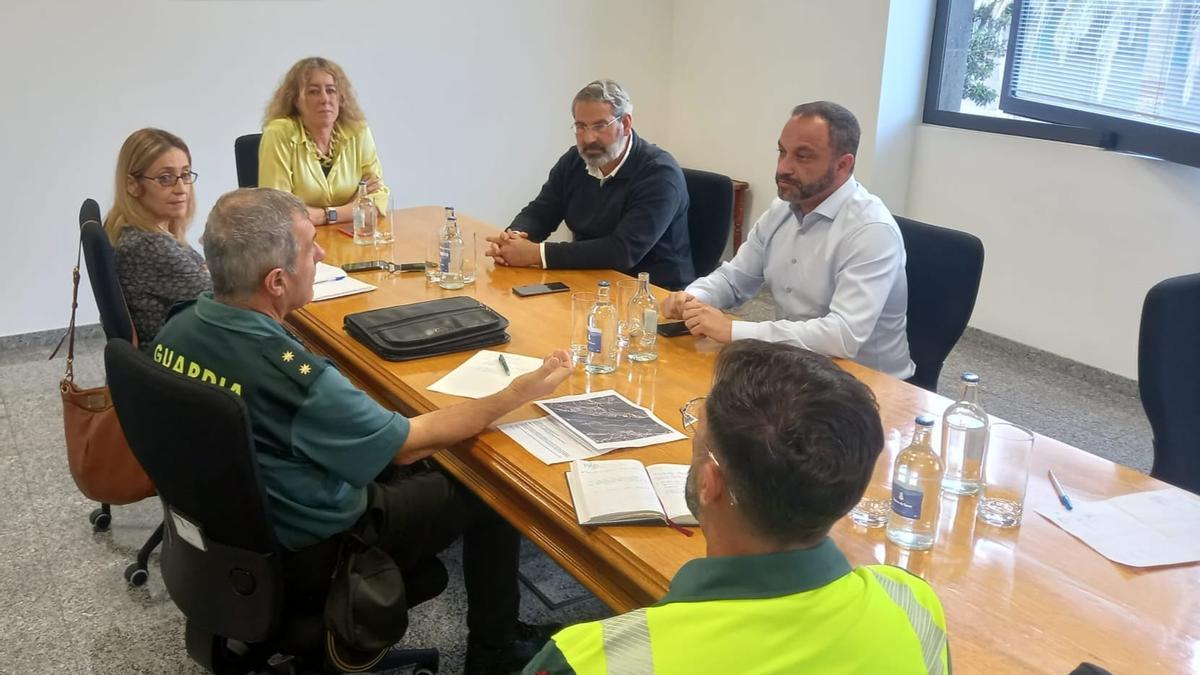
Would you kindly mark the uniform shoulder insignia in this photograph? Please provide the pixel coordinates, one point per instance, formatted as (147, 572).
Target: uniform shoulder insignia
(292, 360)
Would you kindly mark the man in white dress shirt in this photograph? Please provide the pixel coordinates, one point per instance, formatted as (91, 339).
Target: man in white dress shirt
(830, 251)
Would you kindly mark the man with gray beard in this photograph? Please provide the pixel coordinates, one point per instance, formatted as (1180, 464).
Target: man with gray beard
(830, 251)
(623, 198)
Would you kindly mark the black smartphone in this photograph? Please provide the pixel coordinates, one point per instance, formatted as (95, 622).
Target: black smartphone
(540, 289)
(368, 265)
(384, 265)
(672, 329)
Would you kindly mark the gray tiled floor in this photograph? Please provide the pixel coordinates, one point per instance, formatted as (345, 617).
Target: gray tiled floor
(69, 610)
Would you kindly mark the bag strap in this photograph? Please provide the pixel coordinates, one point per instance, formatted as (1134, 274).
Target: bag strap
(69, 336)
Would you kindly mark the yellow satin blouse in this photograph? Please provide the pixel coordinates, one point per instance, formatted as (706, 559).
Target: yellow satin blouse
(287, 160)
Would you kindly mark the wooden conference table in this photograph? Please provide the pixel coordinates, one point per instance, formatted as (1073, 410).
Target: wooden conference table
(1030, 599)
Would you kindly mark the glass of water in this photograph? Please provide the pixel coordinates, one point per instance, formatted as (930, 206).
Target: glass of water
(581, 305)
(470, 257)
(873, 509)
(1005, 475)
(433, 257)
(626, 289)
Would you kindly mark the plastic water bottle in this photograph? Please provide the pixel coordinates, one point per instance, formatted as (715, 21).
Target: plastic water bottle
(450, 254)
(643, 322)
(602, 333)
(964, 440)
(364, 215)
(916, 491)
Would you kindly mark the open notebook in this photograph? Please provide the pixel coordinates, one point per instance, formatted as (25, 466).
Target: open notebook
(626, 491)
(333, 282)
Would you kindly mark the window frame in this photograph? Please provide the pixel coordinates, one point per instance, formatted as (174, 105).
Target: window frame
(1117, 133)
(1065, 125)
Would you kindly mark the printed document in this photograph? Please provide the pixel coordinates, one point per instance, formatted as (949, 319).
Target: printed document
(1143, 529)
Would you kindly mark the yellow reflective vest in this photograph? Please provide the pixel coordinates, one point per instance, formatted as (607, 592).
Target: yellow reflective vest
(804, 611)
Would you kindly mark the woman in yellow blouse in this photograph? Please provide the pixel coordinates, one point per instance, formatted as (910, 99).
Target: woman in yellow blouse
(316, 143)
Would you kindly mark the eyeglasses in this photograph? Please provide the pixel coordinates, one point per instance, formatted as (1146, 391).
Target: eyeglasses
(169, 180)
(688, 412)
(596, 128)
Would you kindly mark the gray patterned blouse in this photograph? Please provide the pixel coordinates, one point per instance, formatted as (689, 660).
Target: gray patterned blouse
(156, 271)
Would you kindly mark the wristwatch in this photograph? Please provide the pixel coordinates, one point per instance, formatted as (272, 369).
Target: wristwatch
(330, 215)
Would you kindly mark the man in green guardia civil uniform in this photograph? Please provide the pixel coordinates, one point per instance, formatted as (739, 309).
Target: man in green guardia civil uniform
(328, 454)
(783, 446)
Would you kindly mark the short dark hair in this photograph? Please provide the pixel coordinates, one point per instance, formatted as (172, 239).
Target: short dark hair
(844, 131)
(796, 435)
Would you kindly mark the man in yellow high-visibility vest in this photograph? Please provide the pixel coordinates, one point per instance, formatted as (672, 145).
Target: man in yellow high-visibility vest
(783, 446)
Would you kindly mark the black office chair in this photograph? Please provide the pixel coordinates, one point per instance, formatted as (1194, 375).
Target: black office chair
(710, 216)
(245, 153)
(944, 268)
(1169, 378)
(116, 322)
(244, 599)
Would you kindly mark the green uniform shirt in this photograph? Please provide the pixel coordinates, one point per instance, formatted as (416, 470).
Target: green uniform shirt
(319, 439)
(804, 611)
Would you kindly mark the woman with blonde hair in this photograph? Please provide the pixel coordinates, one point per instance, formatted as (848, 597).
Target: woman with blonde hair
(153, 205)
(316, 143)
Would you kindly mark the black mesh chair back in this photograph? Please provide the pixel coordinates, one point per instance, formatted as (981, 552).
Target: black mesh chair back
(220, 560)
(106, 286)
(1169, 378)
(943, 269)
(245, 153)
(710, 216)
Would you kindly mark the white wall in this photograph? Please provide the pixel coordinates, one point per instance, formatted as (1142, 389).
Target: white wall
(1074, 236)
(469, 102)
(738, 68)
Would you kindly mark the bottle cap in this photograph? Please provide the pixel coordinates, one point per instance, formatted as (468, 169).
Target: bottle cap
(925, 420)
(604, 284)
(970, 377)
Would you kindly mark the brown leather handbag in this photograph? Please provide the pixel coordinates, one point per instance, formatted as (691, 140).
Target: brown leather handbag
(98, 455)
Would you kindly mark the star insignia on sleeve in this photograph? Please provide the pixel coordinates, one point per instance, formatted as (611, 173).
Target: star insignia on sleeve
(288, 356)
(305, 369)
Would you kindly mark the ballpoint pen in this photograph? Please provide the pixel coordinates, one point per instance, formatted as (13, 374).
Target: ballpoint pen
(1062, 494)
(504, 365)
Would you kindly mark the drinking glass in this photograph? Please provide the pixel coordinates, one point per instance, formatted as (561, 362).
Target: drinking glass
(433, 256)
(581, 306)
(626, 289)
(872, 510)
(470, 257)
(1005, 475)
(383, 227)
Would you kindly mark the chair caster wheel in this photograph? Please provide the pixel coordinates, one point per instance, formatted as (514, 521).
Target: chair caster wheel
(100, 520)
(136, 576)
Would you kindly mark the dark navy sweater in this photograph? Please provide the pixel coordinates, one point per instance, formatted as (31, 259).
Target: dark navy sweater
(635, 222)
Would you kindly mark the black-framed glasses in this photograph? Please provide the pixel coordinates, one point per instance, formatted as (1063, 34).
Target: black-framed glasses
(596, 128)
(168, 180)
(688, 412)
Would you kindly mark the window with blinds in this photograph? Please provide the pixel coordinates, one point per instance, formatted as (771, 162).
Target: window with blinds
(1119, 74)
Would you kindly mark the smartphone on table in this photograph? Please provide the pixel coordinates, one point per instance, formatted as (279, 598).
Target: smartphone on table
(385, 265)
(540, 289)
(672, 329)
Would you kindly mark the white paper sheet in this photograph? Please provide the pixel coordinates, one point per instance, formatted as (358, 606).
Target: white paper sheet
(482, 375)
(607, 420)
(339, 287)
(326, 272)
(1143, 529)
(549, 441)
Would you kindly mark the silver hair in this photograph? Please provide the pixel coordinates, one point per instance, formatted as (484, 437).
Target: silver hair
(605, 91)
(248, 234)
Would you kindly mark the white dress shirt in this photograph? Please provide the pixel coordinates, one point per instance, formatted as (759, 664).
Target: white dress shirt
(836, 274)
